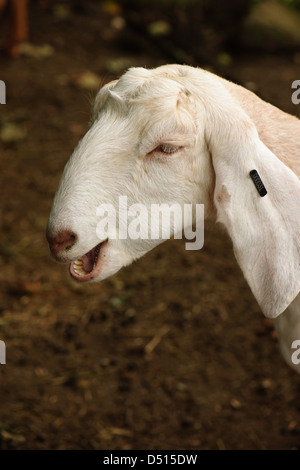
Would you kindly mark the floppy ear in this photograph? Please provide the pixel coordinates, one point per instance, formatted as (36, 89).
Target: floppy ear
(265, 229)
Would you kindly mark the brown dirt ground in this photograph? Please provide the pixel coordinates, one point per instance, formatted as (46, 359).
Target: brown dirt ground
(79, 374)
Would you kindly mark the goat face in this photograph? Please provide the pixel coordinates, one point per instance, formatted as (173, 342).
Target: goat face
(141, 148)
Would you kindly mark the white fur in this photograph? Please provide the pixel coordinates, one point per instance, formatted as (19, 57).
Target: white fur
(223, 131)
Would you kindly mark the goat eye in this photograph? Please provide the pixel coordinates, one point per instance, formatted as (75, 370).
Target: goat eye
(165, 148)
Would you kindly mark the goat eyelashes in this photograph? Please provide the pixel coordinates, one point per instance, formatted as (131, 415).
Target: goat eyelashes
(166, 149)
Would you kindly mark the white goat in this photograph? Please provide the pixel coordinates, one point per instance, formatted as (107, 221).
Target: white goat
(181, 134)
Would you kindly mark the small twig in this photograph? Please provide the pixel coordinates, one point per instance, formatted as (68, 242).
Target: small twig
(156, 339)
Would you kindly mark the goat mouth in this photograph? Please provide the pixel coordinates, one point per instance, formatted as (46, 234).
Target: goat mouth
(88, 266)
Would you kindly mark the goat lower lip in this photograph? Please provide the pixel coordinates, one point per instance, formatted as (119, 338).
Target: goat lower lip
(86, 268)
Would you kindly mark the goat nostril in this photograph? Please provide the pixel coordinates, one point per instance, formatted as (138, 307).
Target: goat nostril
(63, 241)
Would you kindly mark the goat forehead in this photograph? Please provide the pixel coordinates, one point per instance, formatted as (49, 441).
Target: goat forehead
(140, 99)
(126, 115)
(131, 87)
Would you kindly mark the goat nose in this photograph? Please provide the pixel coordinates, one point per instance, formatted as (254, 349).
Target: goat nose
(63, 241)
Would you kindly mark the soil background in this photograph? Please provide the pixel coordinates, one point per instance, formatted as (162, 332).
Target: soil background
(173, 351)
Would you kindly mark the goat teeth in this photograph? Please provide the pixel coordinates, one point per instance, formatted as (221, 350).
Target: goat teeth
(78, 262)
(79, 271)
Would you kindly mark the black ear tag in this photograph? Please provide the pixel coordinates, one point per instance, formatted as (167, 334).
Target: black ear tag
(258, 183)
